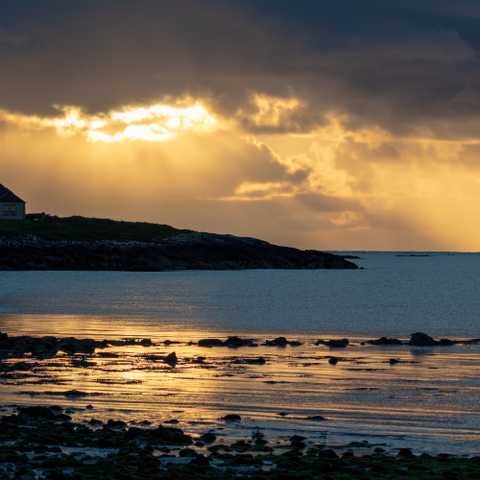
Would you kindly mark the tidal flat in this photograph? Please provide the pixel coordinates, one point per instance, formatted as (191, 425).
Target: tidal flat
(44, 443)
(202, 352)
(139, 408)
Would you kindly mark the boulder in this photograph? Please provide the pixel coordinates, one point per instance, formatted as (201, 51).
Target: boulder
(421, 339)
(171, 359)
(44, 346)
(210, 342)
(232, 417)
(45, 413)
(282, 342)
(171, 436)
(71, 346)
(277, 342)
(334, 343)
(237, 342)
(297, 441)
(74, 394)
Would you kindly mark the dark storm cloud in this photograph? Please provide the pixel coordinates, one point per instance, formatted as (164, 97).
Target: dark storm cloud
(398, 65)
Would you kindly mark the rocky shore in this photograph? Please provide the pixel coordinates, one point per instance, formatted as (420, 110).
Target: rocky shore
(46, 444)
(123, 246)
(68, 433)
(20, 346)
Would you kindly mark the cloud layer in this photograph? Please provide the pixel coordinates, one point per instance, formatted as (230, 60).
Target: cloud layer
(346, 125)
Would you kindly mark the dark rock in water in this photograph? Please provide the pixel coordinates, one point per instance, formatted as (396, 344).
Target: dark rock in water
(282, 342)
(421, 339)
(316, 418)
(208, 438)
(230, 342)
(210, 342)
(297, 441)
(338, 343)
(72, 346)
(333, 360)
(187, 452)
(171, 436)
(385, 341)
(405, 452)
(232, 417)
(278, 342)
(171, 359)
(116, 424)
(46, 346)
(73, 394)
(237, 342)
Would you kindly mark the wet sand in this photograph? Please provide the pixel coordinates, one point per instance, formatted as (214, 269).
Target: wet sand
(398, 397)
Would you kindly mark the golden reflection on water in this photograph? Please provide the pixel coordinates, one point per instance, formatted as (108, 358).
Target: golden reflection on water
(430, 397)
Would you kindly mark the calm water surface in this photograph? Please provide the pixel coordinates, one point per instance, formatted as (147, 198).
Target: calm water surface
(430, 401)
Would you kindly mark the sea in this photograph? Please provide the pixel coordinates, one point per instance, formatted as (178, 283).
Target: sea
(429, 401)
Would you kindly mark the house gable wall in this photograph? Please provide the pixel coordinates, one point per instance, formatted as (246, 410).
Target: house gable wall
(12, 211)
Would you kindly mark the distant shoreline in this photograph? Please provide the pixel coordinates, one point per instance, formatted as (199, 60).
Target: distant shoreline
(87, 244)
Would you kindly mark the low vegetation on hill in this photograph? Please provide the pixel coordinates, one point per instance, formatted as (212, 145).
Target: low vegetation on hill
(77, 228)
(43, 242)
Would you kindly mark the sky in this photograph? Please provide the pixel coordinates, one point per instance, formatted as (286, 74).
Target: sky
(329, 125)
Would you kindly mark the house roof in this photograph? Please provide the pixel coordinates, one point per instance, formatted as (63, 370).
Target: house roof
(7, 196)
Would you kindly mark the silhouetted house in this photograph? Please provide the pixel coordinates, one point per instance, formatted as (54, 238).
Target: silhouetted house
(11, 206)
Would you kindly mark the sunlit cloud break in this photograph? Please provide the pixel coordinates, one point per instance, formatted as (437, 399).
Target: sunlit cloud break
(151, 123)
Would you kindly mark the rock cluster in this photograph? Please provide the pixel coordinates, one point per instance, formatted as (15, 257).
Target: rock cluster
(19, 346)
(230, 342)
(43, 442)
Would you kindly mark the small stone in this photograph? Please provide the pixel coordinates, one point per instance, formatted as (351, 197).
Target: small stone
(208, 438)
(171, 359)
(316, 418)
(232, 417)
(405, 452)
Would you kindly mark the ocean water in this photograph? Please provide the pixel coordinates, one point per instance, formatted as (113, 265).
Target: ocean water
(429, 401)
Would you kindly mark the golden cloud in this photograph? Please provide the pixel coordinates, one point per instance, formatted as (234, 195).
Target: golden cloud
(151, 123)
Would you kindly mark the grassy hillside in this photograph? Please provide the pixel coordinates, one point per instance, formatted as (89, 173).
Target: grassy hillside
(81, 228)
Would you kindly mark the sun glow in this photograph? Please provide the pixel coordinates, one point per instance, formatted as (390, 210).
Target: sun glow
(151, 123)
